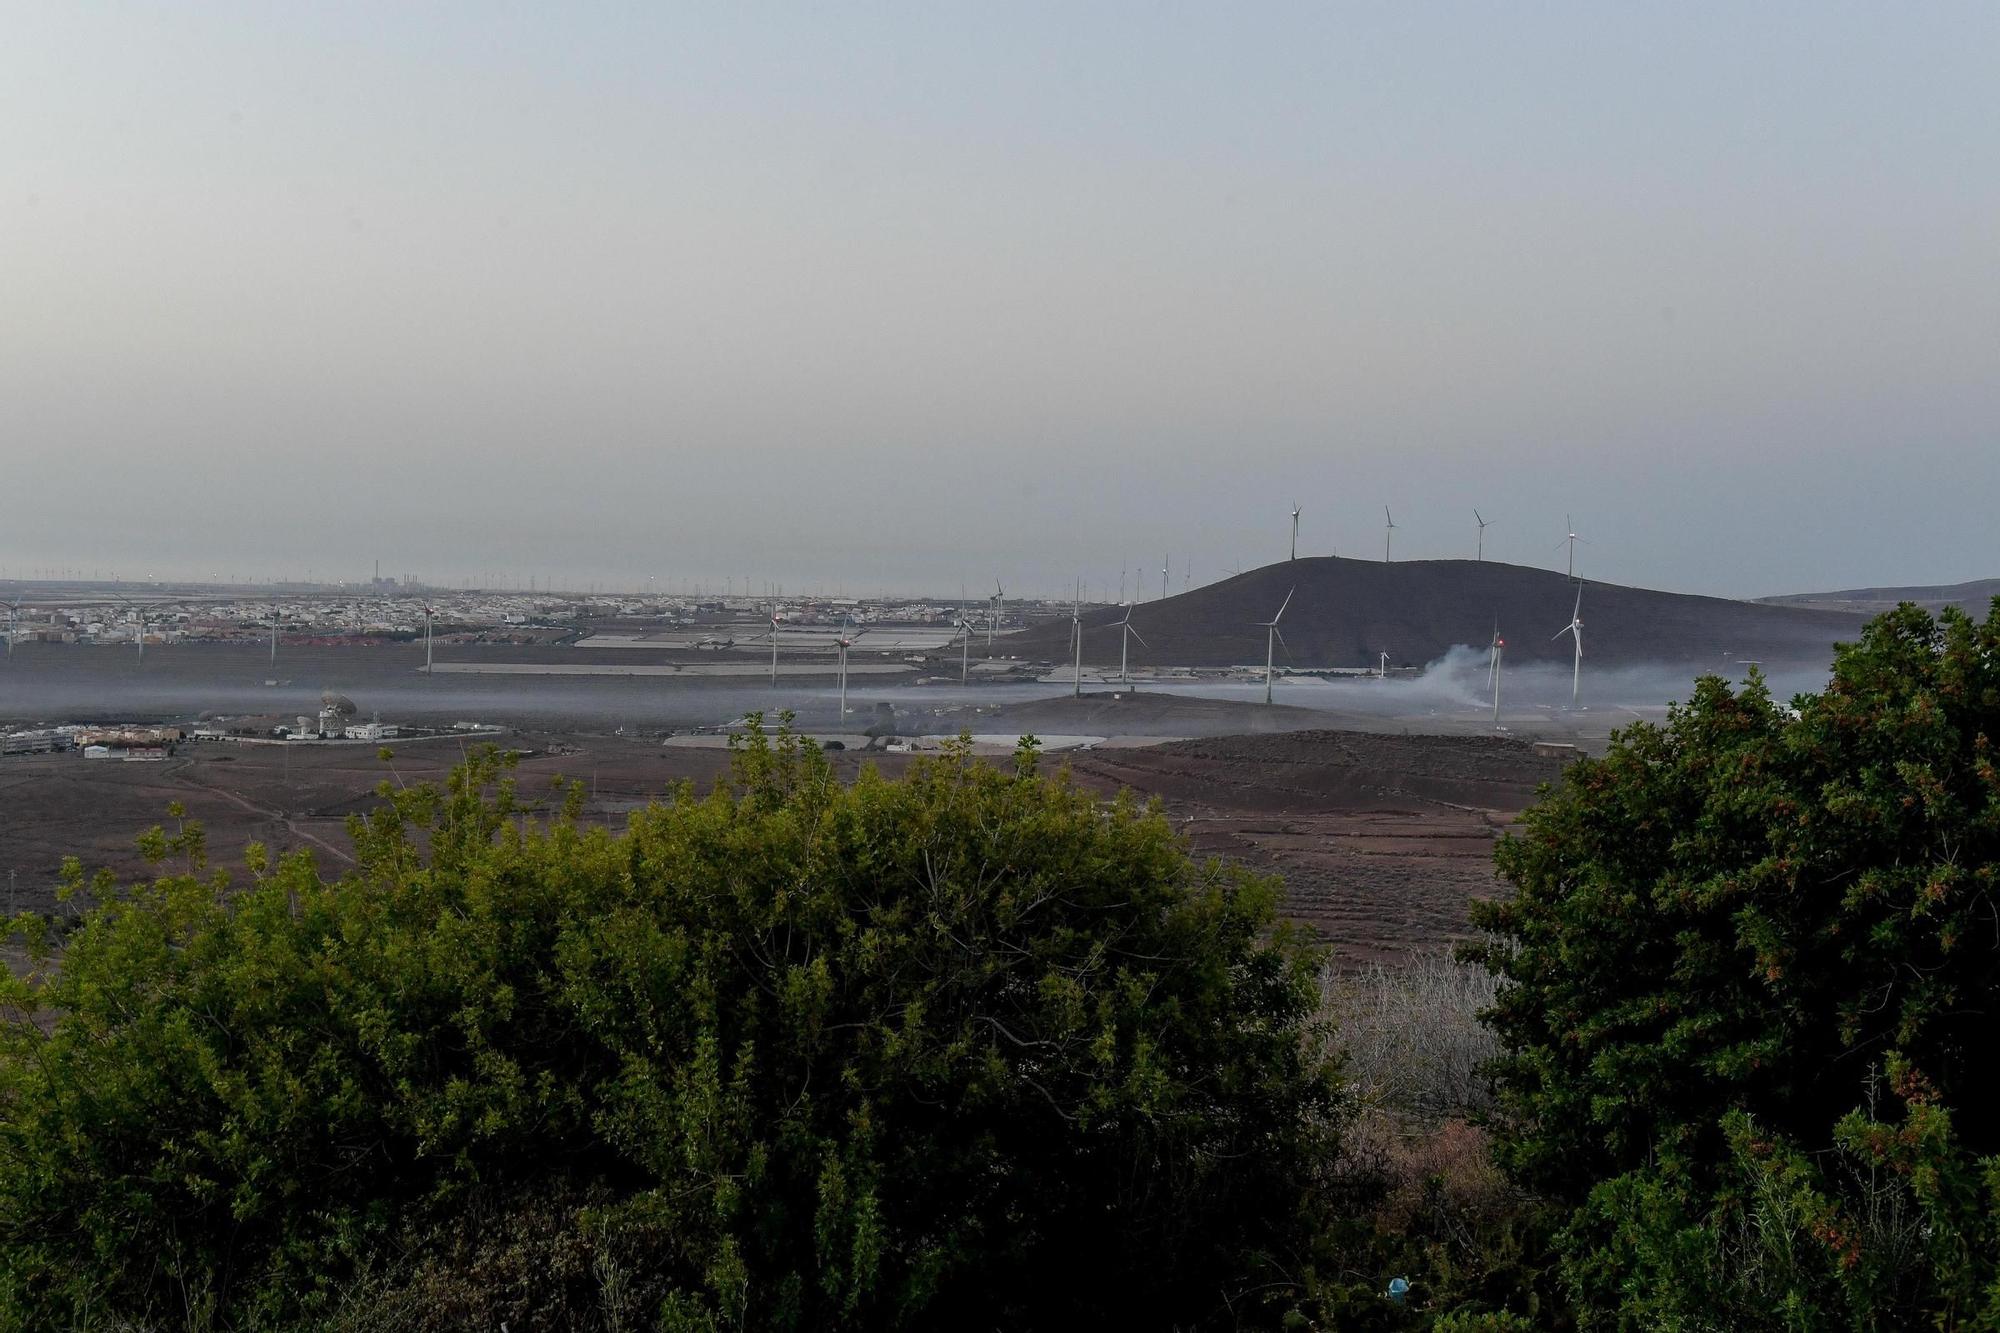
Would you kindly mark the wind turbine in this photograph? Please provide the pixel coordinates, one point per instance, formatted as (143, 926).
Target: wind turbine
(999, 601)
(964, 628)
(1575, 630)
(1382, 669)
(775, 617)
(277, 616)
(1295, 532)
(430, 614)
(1572, 539)
(1127, 634)
(845, 641)
(1388, 532)
(1166, 567)
(141, 609)
(1480, 554)
(1076, 637)
(13, 626)
(1271, 639)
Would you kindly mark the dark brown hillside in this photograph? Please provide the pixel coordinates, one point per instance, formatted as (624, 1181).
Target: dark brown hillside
(1347, 611)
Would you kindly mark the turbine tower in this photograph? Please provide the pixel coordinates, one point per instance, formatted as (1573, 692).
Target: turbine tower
(1076, 638)
(1575, 630)
(774, 641)
(1480, 554)
(1295, 532)
(1499, 647)
(999, 602)
(1166, 567)
(13, 626)
(1271, 639)
(430, 615)
(1388, 532)
(276, 616)
(1127, 634)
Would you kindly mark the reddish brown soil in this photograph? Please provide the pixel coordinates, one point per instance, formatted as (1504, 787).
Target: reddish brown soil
(1381, 840)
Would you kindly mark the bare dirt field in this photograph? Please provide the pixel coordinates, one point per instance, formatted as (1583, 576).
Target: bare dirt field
(1381, 840)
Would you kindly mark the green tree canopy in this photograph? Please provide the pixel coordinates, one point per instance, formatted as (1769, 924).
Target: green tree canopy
(968, 1048)
(1752, 982)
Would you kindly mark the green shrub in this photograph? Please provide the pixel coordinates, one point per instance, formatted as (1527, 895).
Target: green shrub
(966, 1048)
(1724, 937)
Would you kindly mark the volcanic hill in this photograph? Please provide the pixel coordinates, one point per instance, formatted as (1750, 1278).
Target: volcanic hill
(1344, 613)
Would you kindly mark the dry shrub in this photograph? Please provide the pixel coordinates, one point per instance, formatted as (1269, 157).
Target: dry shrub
(1414, 1047)
(1412, 1036)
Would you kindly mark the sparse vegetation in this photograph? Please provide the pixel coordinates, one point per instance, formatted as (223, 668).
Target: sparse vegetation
(1415, 1047)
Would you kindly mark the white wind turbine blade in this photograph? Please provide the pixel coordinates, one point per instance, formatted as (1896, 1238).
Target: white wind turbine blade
(1282, 605)
(1136, 634)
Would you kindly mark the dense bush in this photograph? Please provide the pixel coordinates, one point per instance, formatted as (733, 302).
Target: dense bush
(965, 1049)
(1751, 979)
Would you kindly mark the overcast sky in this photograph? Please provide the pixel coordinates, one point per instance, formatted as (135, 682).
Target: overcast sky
(893, 296)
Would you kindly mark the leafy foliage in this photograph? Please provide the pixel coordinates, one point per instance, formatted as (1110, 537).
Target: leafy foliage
(1727, 935)
(968, 1046)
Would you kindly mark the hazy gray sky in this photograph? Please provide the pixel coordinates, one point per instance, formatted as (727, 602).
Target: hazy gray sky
(899, 295)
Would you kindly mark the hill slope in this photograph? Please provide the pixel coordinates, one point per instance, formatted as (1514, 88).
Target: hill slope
(1974, 598)
(1345, 612)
